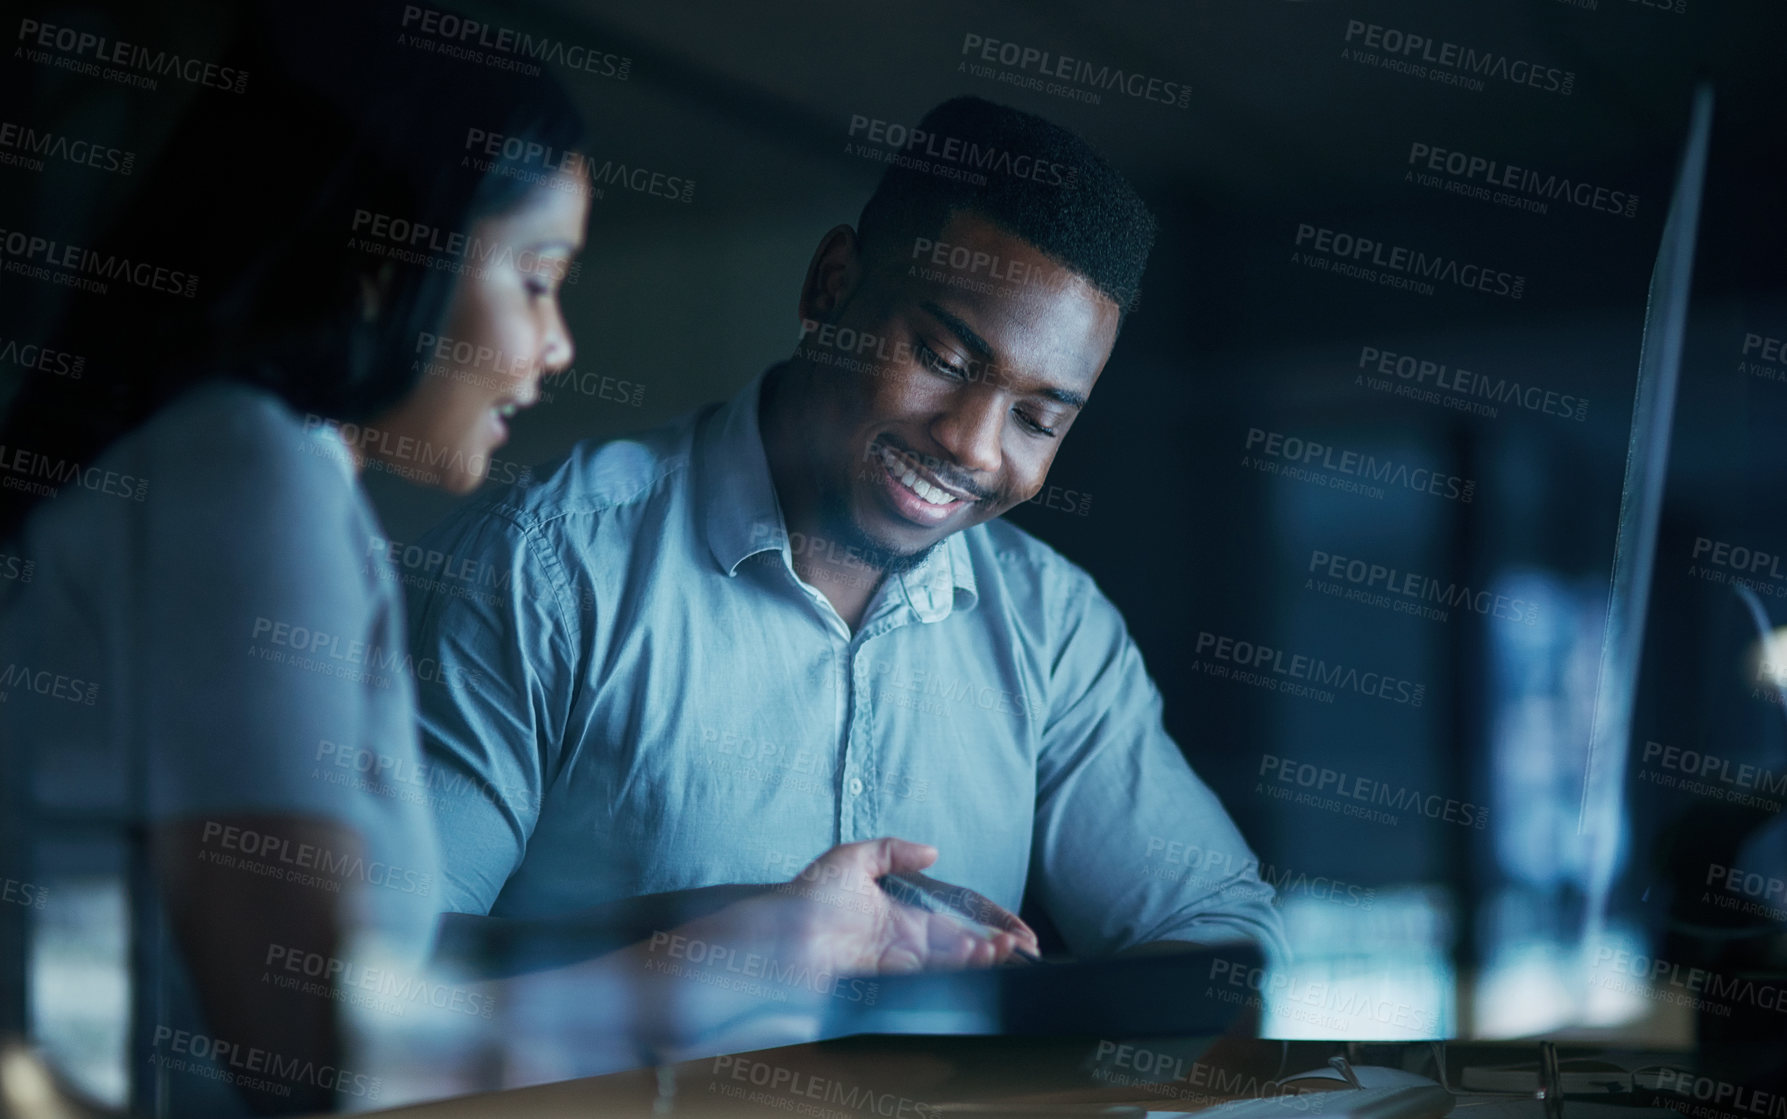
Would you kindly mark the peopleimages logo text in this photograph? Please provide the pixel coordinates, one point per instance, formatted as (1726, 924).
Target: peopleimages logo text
(1464, 60)
(476, 36)
(1324, 779)
(1418, 373)
(1314, 670)
(1473, 169)
(305, 863)
(1045, 64)
(33, 142)
(971, 154)
(24, 469)
(1418, 588)
(1355, 250)
(1307, 453)
(251, 1067)
(490, 146)
(116, 52)
(77, 261)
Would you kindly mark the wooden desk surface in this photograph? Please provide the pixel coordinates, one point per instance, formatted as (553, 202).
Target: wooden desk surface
(889, 1077)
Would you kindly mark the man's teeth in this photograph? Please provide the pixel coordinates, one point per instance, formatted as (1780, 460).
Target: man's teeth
(505, 410)
(910, 479)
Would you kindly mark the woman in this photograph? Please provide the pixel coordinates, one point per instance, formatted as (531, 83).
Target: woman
(211, 619)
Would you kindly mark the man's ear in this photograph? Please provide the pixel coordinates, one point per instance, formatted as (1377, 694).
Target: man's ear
(832, 274)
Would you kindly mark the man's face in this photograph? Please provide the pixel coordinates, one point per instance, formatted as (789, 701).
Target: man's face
(952, 410)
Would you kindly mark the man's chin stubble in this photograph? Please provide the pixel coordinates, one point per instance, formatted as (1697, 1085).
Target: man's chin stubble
(842, 524)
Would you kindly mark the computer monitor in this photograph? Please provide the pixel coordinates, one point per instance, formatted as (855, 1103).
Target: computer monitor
(1532, 978)
(1602, 820)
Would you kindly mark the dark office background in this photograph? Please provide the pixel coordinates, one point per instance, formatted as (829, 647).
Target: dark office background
(1282, 129)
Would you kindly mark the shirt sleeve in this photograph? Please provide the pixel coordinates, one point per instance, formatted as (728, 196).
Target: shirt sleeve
(491, 615)
(1115, 798)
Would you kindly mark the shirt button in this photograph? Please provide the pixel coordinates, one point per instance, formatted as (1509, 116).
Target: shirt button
(856, 786)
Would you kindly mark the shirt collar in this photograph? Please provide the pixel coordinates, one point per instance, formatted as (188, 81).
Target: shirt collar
(743, 516)
(944, 580)
(741, 512)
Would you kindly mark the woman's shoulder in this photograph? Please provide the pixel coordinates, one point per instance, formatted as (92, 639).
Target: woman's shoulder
(233, 453)
(228, 429)
(226, 465)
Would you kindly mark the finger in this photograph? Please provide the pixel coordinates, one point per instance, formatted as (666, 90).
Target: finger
(901, 856)
(1025, 938)
(990, 913)
(981, 952)
(951, 946)
(937, 942)
(899, 960)
(983, 909)
(1008, 946)
(899, 923)
(1000, 944)
(855, 866)
(996, 916)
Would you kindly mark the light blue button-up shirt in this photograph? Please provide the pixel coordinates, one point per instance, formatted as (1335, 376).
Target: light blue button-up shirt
(642, 697)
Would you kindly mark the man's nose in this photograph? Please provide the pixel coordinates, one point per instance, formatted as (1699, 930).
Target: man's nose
(969, 428)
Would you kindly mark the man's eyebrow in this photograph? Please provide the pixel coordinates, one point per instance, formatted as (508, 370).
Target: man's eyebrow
(981, 347)
(985, 351)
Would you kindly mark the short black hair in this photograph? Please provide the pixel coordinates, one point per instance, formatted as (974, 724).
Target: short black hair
(1030, 177)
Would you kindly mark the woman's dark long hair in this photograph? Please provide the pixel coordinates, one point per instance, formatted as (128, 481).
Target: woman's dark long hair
(272, 199)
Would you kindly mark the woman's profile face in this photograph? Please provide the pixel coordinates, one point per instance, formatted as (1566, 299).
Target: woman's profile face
(502, 332)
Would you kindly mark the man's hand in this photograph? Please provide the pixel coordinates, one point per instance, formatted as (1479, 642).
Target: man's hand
(692, 982)
(833, 918)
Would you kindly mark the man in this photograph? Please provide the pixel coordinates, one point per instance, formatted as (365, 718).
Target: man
(794, 620)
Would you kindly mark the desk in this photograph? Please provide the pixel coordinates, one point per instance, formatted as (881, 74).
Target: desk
(914, 1077)
(858, 1078)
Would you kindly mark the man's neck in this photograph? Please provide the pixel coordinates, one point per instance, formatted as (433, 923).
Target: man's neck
(845, 576)
(849, 592)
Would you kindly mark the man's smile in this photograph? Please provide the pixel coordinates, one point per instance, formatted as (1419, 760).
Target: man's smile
(915, 490)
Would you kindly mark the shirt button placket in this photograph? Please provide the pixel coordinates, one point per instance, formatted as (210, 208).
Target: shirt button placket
(838, 660)
(857, 811)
